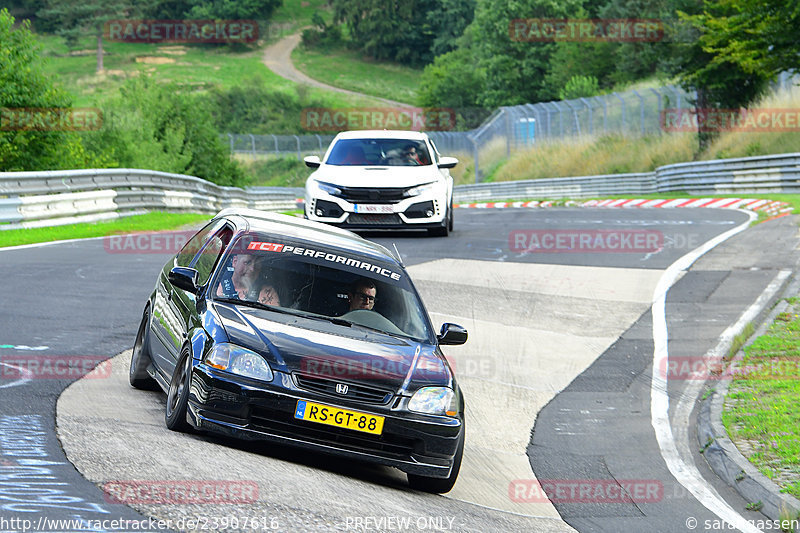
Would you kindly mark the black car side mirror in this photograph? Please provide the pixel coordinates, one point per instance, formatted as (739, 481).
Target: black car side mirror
(184, 278)
(452, 334)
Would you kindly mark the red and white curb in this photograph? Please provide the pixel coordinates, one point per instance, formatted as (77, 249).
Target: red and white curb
(767, 206)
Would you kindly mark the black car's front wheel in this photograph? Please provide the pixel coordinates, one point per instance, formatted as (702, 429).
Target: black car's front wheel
(440, 485)
(140, 358)
(178, 394)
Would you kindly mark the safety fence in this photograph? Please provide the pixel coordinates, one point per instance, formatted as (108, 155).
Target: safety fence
(64, 197)
(30, 199)
(749, 175)
(633, 112)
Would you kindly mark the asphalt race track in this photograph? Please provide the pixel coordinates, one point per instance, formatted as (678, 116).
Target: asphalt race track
(558, 375)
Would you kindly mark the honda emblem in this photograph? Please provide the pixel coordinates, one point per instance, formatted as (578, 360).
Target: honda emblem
(341, 388)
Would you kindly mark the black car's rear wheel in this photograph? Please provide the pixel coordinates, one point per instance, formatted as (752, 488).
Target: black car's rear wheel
(140, 358)
(440, 485)
(178, 394)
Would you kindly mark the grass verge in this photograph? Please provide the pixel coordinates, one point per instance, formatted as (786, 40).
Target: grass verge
(760, 412)
(154, 221)
(193, 67)
(348, 69)
(617, 154)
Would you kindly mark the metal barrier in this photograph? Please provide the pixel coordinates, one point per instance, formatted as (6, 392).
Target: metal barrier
(753, 175)
(63, 197)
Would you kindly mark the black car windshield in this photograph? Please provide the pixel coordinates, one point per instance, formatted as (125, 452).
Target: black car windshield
(391, 152)
(305, 278)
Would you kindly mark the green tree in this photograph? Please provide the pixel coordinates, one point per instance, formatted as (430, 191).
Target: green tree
(515, 71)
(232, 9)
(398, 30)
(759, 36)
(154, 126)
(595, 59)
(636, 60)
(449, 19)
(75, 18)
(24, 85)
(452, 80)
(579, 87)
(720, 82)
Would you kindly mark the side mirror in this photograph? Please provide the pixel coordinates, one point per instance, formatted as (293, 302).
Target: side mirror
(312, 161)
(184, 278)
(452, 334)
(447, 162)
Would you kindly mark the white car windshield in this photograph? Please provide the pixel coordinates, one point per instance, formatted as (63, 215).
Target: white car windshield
(308, 279)
(385, 152)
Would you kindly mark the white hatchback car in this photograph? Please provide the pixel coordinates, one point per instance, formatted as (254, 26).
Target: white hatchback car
(382, 180)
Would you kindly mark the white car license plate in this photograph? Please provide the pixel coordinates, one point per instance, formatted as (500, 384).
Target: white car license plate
(373, 208)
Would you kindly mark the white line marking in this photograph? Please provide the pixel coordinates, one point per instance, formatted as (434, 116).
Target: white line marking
(24, 372)
(686, 474)
(690, 393)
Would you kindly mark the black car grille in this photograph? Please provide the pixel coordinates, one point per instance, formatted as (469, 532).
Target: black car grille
(278, 422)
(366, 195)
(360, 393)
(374, 220)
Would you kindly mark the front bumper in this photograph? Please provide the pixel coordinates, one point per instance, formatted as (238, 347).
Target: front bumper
(245, 409)
(423, 211)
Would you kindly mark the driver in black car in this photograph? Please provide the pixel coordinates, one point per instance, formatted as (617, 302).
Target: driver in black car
(362, 294)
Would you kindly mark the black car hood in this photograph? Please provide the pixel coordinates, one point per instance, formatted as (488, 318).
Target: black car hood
(322, 349)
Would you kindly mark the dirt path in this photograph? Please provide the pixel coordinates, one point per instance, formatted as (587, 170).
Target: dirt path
(277, 57)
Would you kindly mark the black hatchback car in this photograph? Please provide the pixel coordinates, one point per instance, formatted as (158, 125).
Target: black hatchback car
(271, 327)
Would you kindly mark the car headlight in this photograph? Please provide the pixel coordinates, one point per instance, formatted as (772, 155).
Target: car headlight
(434, 401)
(328, 188)
(238, 360)
(420, 189)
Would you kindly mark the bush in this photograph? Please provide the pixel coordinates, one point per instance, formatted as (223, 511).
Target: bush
(156, 127)
(23, 85)
(579, 87)
(323, 35)
(255, 108)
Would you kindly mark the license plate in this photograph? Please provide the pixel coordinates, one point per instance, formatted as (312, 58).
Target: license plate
(374, 208)
(341, 418)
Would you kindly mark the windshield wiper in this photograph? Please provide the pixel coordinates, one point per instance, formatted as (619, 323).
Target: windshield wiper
(284, 310)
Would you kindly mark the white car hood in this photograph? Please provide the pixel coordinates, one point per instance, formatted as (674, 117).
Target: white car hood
(377, 176)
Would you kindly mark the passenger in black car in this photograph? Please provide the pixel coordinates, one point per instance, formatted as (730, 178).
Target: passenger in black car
(237, 281)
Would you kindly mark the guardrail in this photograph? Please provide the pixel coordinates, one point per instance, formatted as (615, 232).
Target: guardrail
(747, 175)
(52, 198)
(62, 197)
